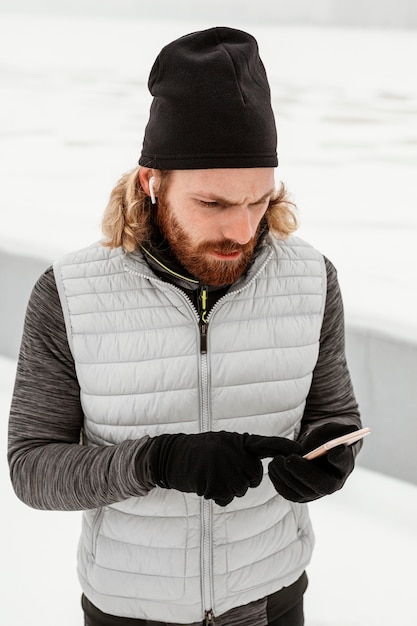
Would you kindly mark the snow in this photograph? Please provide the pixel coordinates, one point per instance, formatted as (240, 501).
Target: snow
(73, 108)
(75, 102)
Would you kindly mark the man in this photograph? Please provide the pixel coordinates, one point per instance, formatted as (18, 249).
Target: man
(159, 368)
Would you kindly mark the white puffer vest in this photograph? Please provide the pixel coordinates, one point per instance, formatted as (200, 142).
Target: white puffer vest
(171, 556)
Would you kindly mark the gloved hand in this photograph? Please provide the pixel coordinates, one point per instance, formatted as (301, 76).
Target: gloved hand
(263, 446)
(300, 480)
(215, 465)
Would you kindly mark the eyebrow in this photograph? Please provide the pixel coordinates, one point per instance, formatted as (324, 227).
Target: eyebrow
(225, 202)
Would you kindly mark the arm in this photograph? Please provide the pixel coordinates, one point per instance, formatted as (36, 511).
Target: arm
(49, 468)
(331, 397)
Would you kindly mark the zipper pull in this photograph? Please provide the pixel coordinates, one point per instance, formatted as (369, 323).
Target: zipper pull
(203, 319)
(203, 337)
(210, 619)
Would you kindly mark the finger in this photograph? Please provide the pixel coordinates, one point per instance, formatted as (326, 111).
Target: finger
(324, 433)
(294, 492)
(288, 484)
(255, 481)
(253, 471)
(342, 460)
(298, 471)
(263, 447)
(223, 501)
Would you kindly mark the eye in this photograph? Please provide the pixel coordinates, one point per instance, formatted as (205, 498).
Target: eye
(261, 202)
(209, 205)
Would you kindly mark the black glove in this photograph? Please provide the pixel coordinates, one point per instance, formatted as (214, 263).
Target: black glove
(300, 480)
(263, 446)
(215, 465)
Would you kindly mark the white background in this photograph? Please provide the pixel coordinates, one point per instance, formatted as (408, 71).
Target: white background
(73, 108)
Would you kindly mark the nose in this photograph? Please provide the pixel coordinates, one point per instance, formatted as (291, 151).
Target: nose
(238, 224)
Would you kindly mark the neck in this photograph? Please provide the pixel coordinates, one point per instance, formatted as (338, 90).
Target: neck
(163, 263)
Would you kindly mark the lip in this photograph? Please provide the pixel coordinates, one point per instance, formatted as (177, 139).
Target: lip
(226, 257)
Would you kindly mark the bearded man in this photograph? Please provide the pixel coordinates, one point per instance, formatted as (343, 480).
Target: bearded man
(173, 376)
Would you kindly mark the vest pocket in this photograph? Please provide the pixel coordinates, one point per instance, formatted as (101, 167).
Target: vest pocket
(95, 529)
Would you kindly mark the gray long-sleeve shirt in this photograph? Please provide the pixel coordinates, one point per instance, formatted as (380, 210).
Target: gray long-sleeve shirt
(51, 470)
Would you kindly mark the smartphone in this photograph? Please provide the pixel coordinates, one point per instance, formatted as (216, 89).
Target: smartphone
(347, 440)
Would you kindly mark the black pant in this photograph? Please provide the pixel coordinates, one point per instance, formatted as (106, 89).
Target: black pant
(293, 617)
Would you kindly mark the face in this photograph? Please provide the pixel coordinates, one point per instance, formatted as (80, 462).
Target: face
(211, 219)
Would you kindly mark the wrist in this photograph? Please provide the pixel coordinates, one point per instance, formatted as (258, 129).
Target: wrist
(145, 473)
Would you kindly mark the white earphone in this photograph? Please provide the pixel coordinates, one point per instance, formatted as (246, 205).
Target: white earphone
(151, 191)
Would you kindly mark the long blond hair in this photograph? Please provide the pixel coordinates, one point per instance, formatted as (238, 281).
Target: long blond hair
(127, 217)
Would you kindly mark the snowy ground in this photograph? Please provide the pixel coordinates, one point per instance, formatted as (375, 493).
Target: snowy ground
(73, 106)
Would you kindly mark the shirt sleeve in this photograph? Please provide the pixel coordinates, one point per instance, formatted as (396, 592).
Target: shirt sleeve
(49, 466)
(331, 396)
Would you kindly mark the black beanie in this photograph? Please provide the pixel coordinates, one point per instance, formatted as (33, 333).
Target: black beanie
(211, 105)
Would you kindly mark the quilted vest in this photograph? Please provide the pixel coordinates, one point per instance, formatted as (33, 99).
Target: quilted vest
(171, 556)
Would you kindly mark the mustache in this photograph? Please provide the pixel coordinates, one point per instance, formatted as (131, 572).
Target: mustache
(226, 246)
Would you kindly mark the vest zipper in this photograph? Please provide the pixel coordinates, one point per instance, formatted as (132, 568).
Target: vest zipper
(203, 296)
(207, 532)
(206, 506)
(206, 560)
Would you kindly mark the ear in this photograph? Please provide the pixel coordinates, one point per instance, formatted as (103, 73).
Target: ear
(145, 176)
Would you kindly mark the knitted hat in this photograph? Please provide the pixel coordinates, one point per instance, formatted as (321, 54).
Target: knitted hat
(211, 104)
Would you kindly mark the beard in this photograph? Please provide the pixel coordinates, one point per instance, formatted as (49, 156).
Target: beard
(195, 258)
